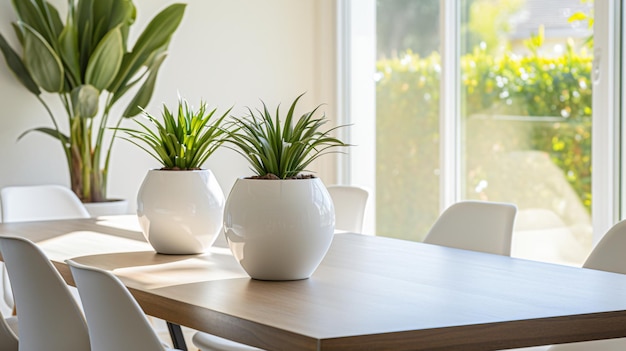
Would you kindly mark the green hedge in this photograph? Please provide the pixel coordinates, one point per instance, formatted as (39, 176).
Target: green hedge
(509, 104)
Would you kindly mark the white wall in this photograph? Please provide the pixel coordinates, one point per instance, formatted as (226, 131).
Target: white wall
(225, 52)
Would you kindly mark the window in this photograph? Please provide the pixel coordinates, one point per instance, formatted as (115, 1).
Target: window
(495, 106)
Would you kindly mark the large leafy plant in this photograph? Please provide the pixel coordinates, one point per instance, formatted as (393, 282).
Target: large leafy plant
(181, 142)
(279, 149)
(81, 61)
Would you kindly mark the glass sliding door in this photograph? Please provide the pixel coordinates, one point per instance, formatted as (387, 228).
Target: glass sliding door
(526, 119)
(408, 70)
(521, 130)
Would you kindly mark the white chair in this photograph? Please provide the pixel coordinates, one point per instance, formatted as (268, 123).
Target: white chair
(7, 303)
(350, 202)
(608, 256)
(8, 325)
(210, 342)
(475, 225)
(40, 202)
(37, 203)
(48, 316)
(115, 319)
(8, 334)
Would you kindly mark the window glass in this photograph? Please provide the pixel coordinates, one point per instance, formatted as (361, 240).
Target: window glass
(525, 118)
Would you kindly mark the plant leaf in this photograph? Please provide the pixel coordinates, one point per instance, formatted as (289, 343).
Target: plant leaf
(106, 60)
(111, 14)
(64, 139)
(85, 100)
(156, 36)
(144, 94)
(68, 49)
(31, 13)
(260, 141)
(54, 19)
(83, 20)
(17, 66)
(41, 61)
(18, 32)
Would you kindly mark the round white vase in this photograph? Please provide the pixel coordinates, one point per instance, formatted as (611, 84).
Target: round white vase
(180, 212)
(279, 229)
(107, 208)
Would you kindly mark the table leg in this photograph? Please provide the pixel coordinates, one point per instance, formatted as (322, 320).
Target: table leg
(176, 333)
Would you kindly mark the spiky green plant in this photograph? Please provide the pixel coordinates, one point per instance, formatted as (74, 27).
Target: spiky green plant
(181, 142)
(281, 148)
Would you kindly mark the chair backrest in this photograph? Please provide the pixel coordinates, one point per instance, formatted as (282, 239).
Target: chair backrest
(40, 202)
(608, 255)
(349, 202)
(475, 225)
(115, 319)
(48, 316)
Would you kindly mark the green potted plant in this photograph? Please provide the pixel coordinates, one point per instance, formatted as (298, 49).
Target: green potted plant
(85, 61)
(279, 223)
(180, 205)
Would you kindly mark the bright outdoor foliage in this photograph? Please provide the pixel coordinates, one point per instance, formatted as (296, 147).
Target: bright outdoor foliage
(545, 99)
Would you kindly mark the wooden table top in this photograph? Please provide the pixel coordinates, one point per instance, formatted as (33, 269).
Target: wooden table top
(369, 293)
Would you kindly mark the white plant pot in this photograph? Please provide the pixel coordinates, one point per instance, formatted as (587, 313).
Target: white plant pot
(279, 229)
(180, 212)
(107, 208)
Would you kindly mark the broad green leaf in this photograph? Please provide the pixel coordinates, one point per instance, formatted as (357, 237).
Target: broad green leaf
(122, 90)
(83, 15)
(106, 60)
(85, 100)
(125, 29)
(52, 19)
(156, 36)
(143, 96)
(68, 49)
(17, 66)
(85, 46)
(43, 64)
(111, 14)
(18, 32)
(83, 20)
(28, 12)
(160, 29)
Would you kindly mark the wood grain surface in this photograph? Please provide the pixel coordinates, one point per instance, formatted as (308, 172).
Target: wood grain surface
(369, 293)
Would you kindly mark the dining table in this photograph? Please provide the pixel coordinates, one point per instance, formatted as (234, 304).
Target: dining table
(368, 293)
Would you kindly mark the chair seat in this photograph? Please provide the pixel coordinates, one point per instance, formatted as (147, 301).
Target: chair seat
(210, 342)
(12, 323)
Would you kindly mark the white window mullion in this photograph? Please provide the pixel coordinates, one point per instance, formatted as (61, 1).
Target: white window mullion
(449, 102)
(357, 57)
(605, 131)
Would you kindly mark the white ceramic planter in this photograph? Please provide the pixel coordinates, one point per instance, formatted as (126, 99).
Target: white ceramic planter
(279, 229)
(107, 208)
(180, 212)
